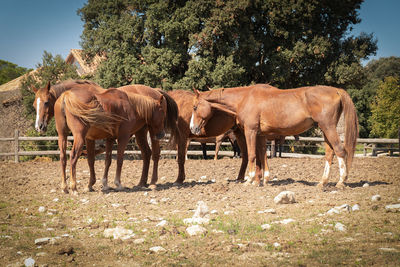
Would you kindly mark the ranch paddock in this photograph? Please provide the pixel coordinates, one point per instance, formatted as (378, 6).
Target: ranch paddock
(234, 234)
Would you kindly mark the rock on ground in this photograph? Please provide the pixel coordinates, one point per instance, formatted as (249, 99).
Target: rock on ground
(195, 230)
(285, 197)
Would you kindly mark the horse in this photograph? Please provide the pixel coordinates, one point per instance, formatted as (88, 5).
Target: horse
(91, 113)
(170, 124)
(268, 112)
(220, 123)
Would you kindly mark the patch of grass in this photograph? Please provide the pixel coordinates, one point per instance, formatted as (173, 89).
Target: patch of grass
(3, 204)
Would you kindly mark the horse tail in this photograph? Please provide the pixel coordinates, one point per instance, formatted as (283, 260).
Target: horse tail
(171, 122)
(91, 113)
(351, 125)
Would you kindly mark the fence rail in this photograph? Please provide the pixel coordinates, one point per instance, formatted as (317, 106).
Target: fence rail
(368, 144)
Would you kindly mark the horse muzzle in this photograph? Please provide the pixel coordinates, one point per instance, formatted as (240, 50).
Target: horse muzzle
(41, 127)
(196, 130)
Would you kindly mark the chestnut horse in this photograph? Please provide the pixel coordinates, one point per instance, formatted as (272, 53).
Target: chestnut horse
(220, 123)
(171, 118)
(269, 113)
(91, 113)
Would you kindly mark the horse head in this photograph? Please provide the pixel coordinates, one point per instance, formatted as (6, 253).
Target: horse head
(156, 125)
(44, 106)
(201, 113)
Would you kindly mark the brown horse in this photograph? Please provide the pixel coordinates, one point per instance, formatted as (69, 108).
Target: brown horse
(220, 123)
(91, 113)
(270, 113)
(171, 116)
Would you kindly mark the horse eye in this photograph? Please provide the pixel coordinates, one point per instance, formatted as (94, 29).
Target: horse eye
(195, 108)
(46, 104)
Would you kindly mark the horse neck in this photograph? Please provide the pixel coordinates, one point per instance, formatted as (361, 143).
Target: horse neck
(226, 97)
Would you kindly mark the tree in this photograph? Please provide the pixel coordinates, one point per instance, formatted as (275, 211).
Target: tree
(181, 44)
(10, 71)
(373, 75)
(385, 119)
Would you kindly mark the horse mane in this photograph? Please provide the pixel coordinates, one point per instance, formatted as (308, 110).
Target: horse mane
(143, 105)
(92, 112)
(59, 88)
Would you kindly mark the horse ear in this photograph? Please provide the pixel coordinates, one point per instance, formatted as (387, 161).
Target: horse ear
(34, 89)
(48, 86)
(196, 92)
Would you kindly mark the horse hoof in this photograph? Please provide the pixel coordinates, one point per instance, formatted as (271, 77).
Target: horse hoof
(119, 188)
(321, 185)
(65, 191)
(340, 186)
(89, 189)
(152, 186)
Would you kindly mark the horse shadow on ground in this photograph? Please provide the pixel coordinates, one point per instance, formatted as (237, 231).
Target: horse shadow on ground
(329, 185)
(160, 187)
(166, 186)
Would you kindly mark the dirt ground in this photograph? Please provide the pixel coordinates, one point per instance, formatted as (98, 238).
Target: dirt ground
(234, 234)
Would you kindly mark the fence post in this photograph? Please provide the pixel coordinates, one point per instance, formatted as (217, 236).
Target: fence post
(16, 146)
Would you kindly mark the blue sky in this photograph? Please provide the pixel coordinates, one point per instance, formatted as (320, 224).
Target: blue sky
(28, 27)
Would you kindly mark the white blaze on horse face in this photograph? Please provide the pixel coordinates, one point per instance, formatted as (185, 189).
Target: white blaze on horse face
(37, 114)
(192, 122)
(327, 170)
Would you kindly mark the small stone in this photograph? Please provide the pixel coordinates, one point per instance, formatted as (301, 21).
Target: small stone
(118, 233)
(29, 262)
(266, 226)
(138, 241)
(388, 249)
(55, 200)
(376, 198)
(393, 207)
(202, 210)
(276, 244)
(196, 220)
(195, 230)
(366, 185)
(42, 241)
(285, 221)
(272, 211)
(67, 250)
(53, 191)
(157, 249)
(340, 227)
(355, 207)
(285, 197)
(214, 212)
(165, 199)
(41, 209)
(153, 201)
(162, 223)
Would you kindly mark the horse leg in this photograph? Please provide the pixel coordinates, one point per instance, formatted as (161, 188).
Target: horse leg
(62, 144)
(107, 163)
(251, 137)
(241, 141)
(334, 140)
(141, 140)
(79, 141)
(328, 162)
(90, 147)
(155, 147)
(182, 148)
(204, 148)
(122, 142)
(262, 157)
(217, 147)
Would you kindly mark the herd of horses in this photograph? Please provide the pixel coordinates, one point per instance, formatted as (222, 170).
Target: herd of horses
(253, 113)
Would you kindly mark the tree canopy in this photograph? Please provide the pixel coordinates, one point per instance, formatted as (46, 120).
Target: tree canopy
(385, 119)
(208, 43)
(10, 71)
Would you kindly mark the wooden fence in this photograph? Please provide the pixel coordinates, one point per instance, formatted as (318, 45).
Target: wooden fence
(386, 145)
